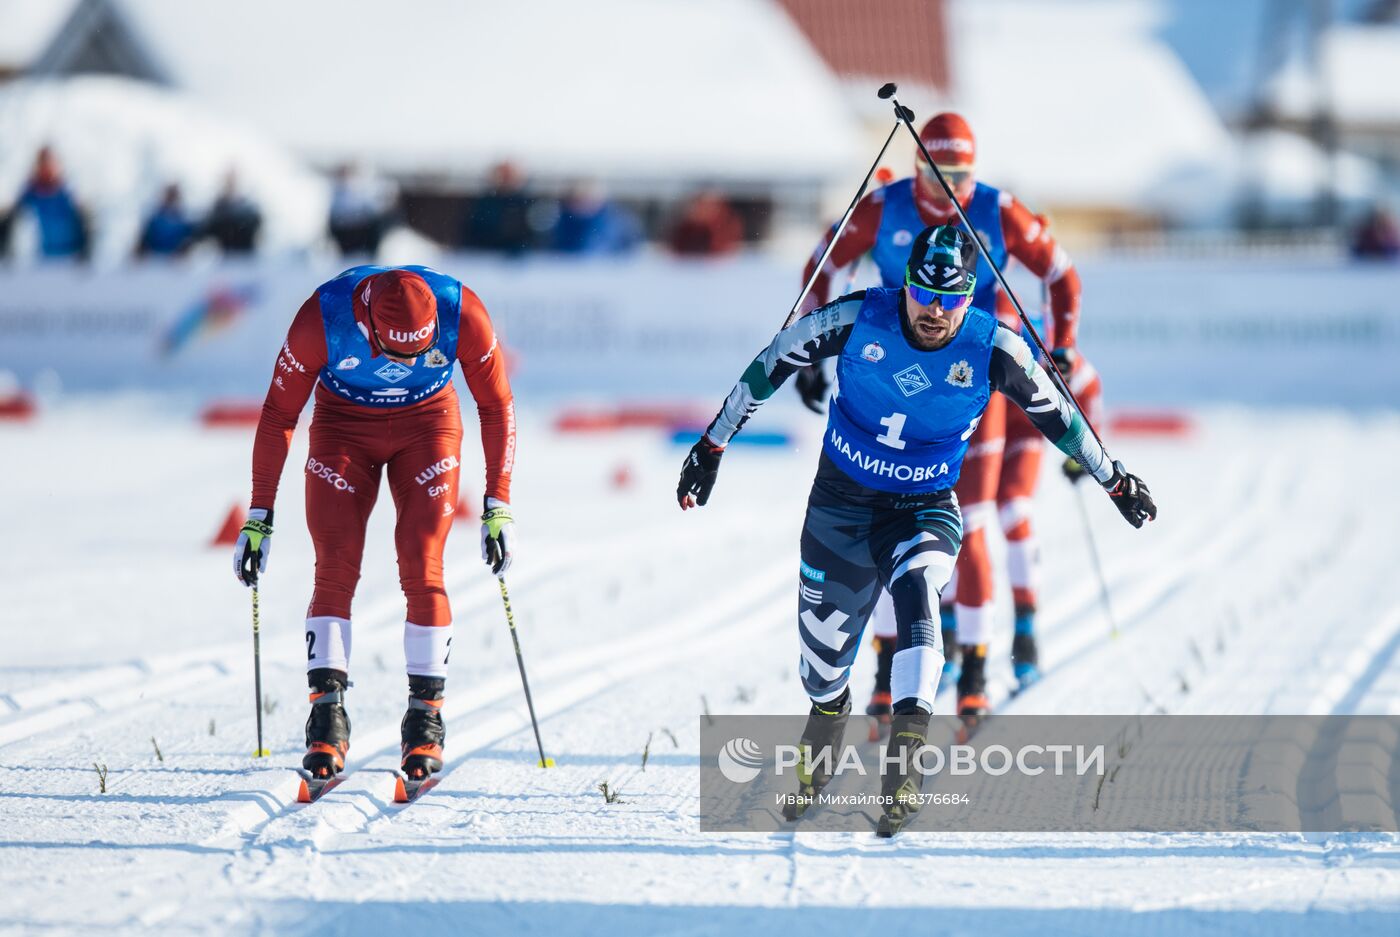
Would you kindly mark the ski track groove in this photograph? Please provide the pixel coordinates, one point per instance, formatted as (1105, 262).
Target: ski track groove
(584, 674)
(129, 683)
(1072, 629)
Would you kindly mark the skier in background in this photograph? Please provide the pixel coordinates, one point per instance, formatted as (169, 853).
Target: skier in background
(378, 344)
(1002, 465)
(916, 367)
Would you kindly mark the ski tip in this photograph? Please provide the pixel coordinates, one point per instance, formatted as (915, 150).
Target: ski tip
(303, 792)
(400, 793)
(262, 753)
(546, 762)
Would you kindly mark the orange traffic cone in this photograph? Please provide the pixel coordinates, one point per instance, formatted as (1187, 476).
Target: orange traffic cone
(232, 526)
(622, 477)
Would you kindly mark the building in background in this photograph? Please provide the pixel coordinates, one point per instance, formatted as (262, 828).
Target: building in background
(1079, 105)
(652, 100)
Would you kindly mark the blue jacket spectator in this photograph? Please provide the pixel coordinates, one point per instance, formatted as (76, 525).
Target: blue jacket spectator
(590, 224)
(62, 229)
(168, 232)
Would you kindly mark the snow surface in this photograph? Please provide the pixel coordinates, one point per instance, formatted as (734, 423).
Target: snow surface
(1267, 586)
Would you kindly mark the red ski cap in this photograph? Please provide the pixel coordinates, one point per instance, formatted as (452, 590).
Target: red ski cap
(402, 313)
(949, 141)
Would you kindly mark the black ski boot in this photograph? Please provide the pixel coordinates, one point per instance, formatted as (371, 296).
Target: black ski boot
(902, 782)
(826, 726)
(973, 704)
(328, 726)
(422, 731)
(879, 707)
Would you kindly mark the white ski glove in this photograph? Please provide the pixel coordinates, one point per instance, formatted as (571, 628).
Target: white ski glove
(253, 546)
(497, 535)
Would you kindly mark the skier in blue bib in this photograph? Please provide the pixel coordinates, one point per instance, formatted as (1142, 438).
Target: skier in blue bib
(916, 366)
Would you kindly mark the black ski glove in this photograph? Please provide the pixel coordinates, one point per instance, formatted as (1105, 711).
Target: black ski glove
(1073, 470)
(812, 386)
(698, 473)
(1064, 359)
(1130, 496)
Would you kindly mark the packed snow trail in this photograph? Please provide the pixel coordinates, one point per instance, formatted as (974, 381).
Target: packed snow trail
(1267, 586)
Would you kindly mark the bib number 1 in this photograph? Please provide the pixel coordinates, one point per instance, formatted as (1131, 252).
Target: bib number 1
(894, 426)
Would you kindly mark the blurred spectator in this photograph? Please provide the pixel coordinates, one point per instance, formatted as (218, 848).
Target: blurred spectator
(234, 219)
(589, 223)
(360, 211)
(708, 226)
(168, 232)
(61, 226)
(499, 221)
(1377, 238)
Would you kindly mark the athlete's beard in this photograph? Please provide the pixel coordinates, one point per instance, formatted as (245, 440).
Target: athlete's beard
(925, 329)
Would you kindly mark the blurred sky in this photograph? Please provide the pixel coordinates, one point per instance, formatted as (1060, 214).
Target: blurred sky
(1219, 39)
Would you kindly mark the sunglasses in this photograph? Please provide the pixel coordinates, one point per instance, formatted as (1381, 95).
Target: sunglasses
(949, 302)
(956, 178)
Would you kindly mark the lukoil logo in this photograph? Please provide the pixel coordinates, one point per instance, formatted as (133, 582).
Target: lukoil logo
(436, 469)
(318, 469)
(396, 336)
(740, 760)
(952, 144)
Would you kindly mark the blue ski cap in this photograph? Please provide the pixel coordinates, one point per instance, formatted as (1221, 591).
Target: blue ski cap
(942, 263)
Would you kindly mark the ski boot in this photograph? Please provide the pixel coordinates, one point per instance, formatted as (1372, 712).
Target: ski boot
(826, 726)
(902, 782)
(422, 731)
(973, 704)
(328, 726)
(1024, 659)
(879, 707)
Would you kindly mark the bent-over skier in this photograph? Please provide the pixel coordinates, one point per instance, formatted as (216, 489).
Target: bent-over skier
(379, 344)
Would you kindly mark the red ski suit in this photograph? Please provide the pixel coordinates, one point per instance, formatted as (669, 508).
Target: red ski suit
(351, 446)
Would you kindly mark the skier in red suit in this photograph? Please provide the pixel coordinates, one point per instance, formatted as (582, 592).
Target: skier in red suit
(379, 345)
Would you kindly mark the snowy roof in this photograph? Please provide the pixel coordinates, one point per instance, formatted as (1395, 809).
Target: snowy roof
(622, 88)
(1361, 69)
(1079, 102)
(121, 140)
(27, 27)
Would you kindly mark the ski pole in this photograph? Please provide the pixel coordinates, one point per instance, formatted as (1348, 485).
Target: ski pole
(1098, 566)
(906, 116)
(524, 681)
(257, 674)
(836, 235)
